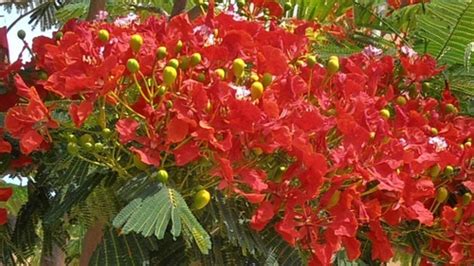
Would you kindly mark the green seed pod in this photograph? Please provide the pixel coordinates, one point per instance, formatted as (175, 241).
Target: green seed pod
(442, 194)
(161, 52)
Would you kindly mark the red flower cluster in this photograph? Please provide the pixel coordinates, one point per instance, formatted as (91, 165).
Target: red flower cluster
(365, 154)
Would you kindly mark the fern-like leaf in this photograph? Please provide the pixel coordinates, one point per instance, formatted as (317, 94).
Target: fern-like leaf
(447, 29)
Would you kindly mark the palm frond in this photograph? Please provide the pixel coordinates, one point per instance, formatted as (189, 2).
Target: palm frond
(120, 249)
(73, 196)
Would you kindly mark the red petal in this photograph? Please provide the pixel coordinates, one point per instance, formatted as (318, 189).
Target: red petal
(5, 193)
(3, 216)
(31, 141)
(126, 129)
(254, 179)
(148, 156)
(5, 146)
(352, 246)
(224, 170)
(456, 251)
(21, 162)
(381, 247)
(262, 216)
(469, 185)
(272, 60)
(79, 113)
(21, 88)
(186, 153)
(177, 130)
(419, 212)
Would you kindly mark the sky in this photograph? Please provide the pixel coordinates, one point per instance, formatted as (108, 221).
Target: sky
(14, 43)
(15, 46)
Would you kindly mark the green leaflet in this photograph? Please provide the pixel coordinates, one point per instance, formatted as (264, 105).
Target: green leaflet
(151, 215)
(447, 29)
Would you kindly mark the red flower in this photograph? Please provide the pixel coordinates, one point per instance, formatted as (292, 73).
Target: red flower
(148, 156)
(177, 130)
(262, 216)
(5, 146)
(126, 128)
(80, 112)
(29, 123)
(187, 153)
(3, 216)
(5, 193)
(381, 248)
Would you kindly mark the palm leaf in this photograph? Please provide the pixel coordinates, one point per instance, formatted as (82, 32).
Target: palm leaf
(152, 214)
(238, 232)
(24, 236)
(170, 252)
(447, 28)
(8, 252)
(72, 197)
(285, 254)
(120, 249)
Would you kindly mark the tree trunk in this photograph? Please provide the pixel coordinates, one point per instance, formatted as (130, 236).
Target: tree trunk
(57, 257)
(178, 7)
(91, 240)
(94, 7)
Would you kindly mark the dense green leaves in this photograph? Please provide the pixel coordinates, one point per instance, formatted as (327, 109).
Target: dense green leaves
(152, 214)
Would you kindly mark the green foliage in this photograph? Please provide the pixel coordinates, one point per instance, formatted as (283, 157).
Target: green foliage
(367, 14)
(320, 10)
(123, 249)
(151, 215)
(461, 83)
(19, 197)
(447, 29)
(75, 10)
